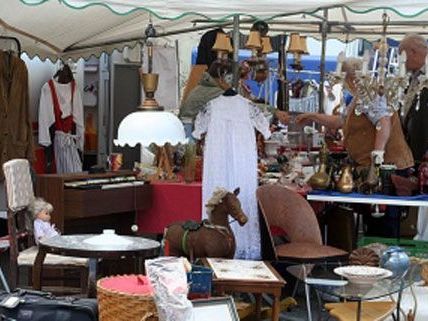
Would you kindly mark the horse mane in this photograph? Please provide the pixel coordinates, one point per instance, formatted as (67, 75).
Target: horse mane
(215, 199)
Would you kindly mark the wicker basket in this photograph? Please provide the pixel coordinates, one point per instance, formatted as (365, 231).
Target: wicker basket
(116, 305)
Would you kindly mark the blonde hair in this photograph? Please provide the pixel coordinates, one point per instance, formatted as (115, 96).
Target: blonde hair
(38, 205)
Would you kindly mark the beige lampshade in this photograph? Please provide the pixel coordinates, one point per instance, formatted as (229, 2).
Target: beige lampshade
(229, 44)
(295, 45)
(304, 45)
(222, 42)
(254, 40)
(266, 45)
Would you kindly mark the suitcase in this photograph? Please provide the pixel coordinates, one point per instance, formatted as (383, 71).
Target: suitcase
(28, 305)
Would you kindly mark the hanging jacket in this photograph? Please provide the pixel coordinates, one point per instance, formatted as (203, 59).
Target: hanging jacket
(16, 138)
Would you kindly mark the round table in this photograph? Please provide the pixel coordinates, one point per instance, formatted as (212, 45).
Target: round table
(74, 245)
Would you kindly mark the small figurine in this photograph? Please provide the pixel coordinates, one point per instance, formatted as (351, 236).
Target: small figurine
(423, 174)
(41, 212)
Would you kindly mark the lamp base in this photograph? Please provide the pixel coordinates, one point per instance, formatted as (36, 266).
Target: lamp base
(296, 66)
(150, 104)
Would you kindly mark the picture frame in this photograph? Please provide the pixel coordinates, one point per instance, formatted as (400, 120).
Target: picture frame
(215, 309)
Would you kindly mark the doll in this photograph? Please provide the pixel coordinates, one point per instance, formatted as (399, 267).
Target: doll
(41, 212)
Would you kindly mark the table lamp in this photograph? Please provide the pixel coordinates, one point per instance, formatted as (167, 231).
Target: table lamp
(296, 47)
(150, 124)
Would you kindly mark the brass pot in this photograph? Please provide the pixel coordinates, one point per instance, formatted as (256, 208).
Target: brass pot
(346, 182)
(321, 179)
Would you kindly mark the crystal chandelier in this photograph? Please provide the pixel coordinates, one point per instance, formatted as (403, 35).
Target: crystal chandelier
(383, 84)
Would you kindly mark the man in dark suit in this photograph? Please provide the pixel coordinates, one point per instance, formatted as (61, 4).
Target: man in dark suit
(414, 114)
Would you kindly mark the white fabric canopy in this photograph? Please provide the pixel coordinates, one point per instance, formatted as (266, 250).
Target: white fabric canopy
(80, 28)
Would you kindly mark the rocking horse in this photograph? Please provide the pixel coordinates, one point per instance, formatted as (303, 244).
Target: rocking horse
(209, 238)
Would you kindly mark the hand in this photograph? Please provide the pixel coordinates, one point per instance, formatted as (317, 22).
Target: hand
(304, 119)
(282, 116)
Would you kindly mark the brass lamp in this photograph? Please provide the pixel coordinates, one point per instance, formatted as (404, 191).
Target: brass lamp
(295, 47)
(149, 81)
(222, 45)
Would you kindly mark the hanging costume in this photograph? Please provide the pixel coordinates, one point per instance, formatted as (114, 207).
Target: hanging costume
(16, 138)
(230, 161)
(61, 106)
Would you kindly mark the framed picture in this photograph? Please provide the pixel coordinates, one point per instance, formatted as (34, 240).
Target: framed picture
(215, 309)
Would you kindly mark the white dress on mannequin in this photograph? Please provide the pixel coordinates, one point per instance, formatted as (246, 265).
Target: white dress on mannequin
(230, 161)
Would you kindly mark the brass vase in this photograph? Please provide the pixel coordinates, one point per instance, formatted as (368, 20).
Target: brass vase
(321, 179)
(346, 182)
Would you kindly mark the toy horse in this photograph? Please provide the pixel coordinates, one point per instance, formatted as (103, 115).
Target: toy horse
(209, 238)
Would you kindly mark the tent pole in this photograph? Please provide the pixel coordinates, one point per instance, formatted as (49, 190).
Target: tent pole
(235, 51)
(324, 27)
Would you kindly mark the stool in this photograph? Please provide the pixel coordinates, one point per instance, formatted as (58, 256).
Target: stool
(126, 298)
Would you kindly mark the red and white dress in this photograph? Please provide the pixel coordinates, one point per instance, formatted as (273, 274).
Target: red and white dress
(61, 106)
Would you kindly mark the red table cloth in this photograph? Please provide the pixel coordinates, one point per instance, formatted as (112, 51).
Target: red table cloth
(171, 202)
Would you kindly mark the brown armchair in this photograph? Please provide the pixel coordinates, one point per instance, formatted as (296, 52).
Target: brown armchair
(285, 209)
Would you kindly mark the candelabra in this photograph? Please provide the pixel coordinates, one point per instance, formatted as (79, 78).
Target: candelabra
(383, 85)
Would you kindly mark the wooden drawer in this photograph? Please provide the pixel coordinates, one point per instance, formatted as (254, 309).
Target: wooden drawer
(96, 202)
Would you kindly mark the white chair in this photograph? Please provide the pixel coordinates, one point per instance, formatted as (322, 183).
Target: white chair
(23, 251)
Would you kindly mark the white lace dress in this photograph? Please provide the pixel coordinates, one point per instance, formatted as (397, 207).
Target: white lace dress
(230, 161)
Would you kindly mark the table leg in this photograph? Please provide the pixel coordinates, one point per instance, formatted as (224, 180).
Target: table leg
(358, 310)
(398, 304)
(275, 308)
(258, 305)
(308, 302)
(38, 269)
(92, 278)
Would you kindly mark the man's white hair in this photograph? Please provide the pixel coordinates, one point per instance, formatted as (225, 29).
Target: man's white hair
(38, 205)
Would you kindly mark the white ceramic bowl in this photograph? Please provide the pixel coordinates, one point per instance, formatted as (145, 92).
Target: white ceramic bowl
(361, 274)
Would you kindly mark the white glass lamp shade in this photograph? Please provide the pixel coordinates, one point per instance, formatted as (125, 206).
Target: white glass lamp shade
(147, 127)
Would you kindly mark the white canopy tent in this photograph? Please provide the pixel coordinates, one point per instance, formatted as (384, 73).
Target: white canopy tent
(80, 28)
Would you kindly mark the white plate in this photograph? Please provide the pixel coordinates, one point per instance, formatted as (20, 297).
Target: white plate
(361, 274)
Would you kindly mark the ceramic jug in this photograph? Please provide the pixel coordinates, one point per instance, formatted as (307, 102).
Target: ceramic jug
(396, 260)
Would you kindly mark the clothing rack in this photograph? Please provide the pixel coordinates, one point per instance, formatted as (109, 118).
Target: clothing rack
(10, 43)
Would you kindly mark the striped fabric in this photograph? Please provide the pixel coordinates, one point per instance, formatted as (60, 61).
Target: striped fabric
(67, 157)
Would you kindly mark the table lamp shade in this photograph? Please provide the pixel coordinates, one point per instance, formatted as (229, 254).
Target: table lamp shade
(147, 127)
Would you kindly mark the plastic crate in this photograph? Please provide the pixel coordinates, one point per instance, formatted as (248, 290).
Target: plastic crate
(412, 247)
(200, 281)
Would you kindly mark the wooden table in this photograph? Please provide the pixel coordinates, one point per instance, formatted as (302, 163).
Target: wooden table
(257, 287)
(74, 245)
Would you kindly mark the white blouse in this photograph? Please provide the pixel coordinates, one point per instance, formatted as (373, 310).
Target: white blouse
(47, 115)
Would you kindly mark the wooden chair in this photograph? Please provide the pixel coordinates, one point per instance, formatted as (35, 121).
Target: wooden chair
(370, 310)
(287, 211)
(23, 251)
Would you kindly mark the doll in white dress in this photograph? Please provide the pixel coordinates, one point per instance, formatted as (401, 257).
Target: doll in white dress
(41, 212)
